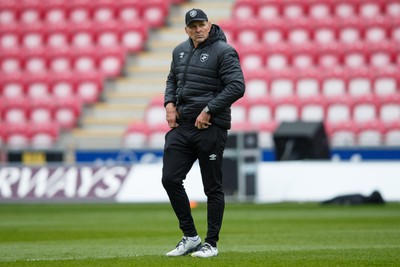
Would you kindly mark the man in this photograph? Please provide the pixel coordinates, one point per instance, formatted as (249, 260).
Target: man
(205, 79)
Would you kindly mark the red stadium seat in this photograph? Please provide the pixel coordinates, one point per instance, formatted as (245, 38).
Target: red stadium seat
(84, 59)
(365, 109)
(37, 85)
(239, 111)
(136, 135)
(299, 31)
(41, 110)
(342, 134)
(360, 82)
(248, 32)
(308, 83)
(133, 35)
(286, 109)
(82, 34)
(281, 84)
(44, 135)
(244, 9)
(62, 85)
(294, 9)
(35, 60)
(156, 137)
(155, 112)
(318, 9)
(303, 56)
(11, 60)
(371, 8)
(12, 84)
(79, 11)
(392, 8)
(104, 10)
(10, 36)
(8, 12)
(312, 109)
(88, 86)
(111, 60)
(230, 29)
(59, 59)
(355, 55)
(107, 33)
(381, 55)
(392, 134)
(269, 10)
(17, 135)
(251, 57)
(67, 111)
(33, 35)
(30, 11)
(256, 84)
(58, 35)
(389, 111)
(275, 33)
(343, 9)
(350, 30)
(339, 110)
(129, 10)
(386, 83)
(334, 83)
(370, 134)
(260, 111)
(15, 109)
(155, 12)
(55, 11)
(377, 29)
(325, 30)
(329, 56)
(277, 57)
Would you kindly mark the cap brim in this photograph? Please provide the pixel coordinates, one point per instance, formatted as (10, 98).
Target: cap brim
(195, 19)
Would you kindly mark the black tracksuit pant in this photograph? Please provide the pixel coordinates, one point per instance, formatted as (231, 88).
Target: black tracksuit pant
(183, 146)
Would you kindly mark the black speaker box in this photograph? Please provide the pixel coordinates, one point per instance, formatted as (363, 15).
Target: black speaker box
(301, 140)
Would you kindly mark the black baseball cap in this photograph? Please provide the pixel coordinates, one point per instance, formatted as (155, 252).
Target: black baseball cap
(195, 15)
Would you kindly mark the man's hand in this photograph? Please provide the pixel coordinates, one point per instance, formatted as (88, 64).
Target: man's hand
(172, 115)
(203, 120)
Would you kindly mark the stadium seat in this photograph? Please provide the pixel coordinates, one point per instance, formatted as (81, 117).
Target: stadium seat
(355, 55)
(136, 135)
(334, 83)
(155, 12)
(111, 60)
(44, 135)
(82, 34)
(62, 85)
(277, 57)
(365, 109)
(155, 112)
(129, 10)
(350, 30)
(88, 86)
(15, 109)
(11, 60)
(248, 32)
(342, 134)
(286, 109)
(318, 9)
(57, 35)
(229, 28)
(343, 9)
(10, 36)
(386, 82)
(392, 134)
(34, 60)
(381, 55)
(312, 109)
(371, 8)
(17, 135)
(265, 134)
(8, 12)
(275, 33)
(37, 85)
(303, 56)
(282, 84)
(370, 134)
(12, 84)
(251, 57)
(329, 56)
(269, 10)
(294, 9)
(325, 30)
(67, 111)
(30, 11)
(59, 59)
(394, 31)
(134, 35)
(156, 137)
(260, 111)
(338, 110)
(41, 110)
(79, 11)
(55, 11)
(104, 10)
(308, 84)
(299, 31)
(84, 59)
(389, 111)
(360, 82)
(244, 10)
(239, 111)
(256, 84)
(33, 35)
(392, 8)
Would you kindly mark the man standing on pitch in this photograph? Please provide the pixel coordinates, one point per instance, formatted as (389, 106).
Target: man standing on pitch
(205, 79)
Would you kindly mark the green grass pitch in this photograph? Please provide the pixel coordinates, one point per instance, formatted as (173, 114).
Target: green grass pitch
(285, 234)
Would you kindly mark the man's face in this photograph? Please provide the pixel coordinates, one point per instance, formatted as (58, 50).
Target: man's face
(198, 31)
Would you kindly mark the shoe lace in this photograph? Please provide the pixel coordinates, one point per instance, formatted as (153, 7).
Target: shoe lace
(182, 242)
(206, 247)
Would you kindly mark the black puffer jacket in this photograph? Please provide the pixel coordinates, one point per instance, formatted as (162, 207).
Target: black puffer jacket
(209, 75)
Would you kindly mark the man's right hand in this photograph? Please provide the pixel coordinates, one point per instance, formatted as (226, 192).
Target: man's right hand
(172, 115)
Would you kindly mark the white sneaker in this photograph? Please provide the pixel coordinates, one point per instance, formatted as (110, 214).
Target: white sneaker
(184, 247)
(206, 251)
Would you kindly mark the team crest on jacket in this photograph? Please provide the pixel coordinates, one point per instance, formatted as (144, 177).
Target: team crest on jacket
(203, 57)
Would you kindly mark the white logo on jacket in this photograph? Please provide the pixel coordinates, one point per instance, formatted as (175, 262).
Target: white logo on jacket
(213, 157)
(203, 57)
(181, 54)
